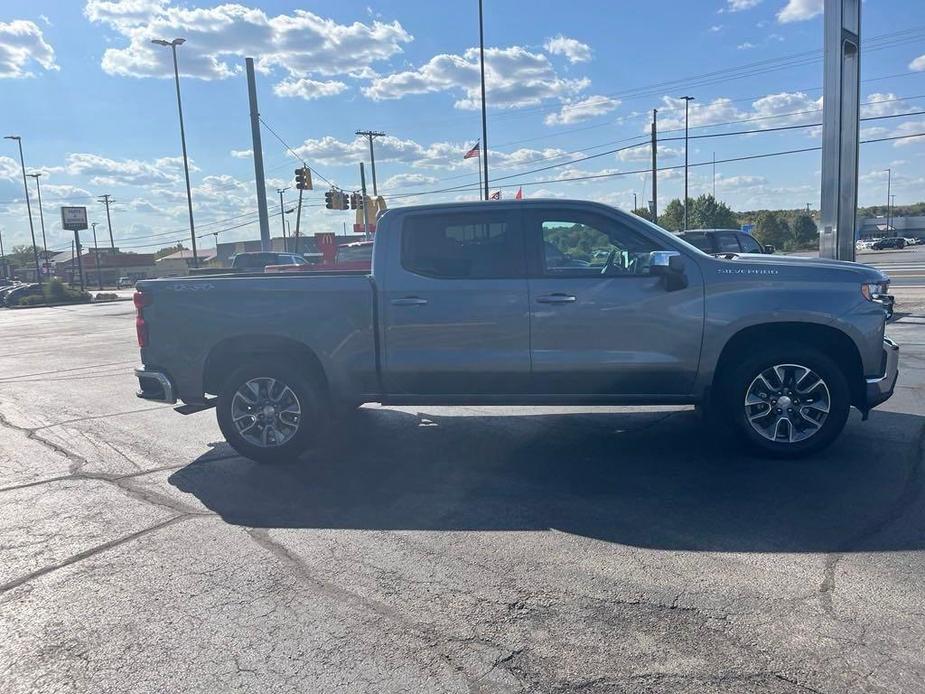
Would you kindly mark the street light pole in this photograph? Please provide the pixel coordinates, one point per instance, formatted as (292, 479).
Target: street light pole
(96, 252)
(38, 188)
(22, 164)
(189, 196)
(687, 101)
(889, 181)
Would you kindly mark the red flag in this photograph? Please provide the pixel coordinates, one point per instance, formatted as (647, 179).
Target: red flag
(496, 195)
(520, 194)
(474, 152)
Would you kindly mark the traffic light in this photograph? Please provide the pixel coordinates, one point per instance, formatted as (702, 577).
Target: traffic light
(361, 202)
(353, 201)
(329, 199)
(303, 178)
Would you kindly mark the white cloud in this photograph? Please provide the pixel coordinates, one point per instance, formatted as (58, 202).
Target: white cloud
(575, 51)
(9, 169)
(308, 89)
(582, 109)
(739, 5)
(514, 77)
(644, 153)
(22, 43)
(302, 44)
(102, 170)
(885, 104)
(918, 64)
(726, 183)
(799, 11)
(242, 153)
(716, 28)
(745, 46)
(408, 179)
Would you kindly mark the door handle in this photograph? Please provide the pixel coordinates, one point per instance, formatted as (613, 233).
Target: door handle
(409, 301)
(556, 299)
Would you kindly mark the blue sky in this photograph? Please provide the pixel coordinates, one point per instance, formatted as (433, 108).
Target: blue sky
(95, 105)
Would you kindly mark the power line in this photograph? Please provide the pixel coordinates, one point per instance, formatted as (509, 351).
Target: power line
(294, 153)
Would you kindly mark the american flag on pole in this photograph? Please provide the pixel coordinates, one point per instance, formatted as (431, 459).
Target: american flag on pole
(496, 195)
(520, 194)
(474, 152)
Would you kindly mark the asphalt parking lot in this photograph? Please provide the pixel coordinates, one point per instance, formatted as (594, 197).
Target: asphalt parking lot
(444, 550)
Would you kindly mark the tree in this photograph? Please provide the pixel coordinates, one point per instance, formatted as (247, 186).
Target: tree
(643, 212)
(804, 231)
(772, 229)
(672, 217)
(707, 213)
(169, 250)
(22, 256)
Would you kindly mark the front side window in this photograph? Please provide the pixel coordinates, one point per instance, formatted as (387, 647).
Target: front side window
(580, 245)
(749, 245)
(727, 243)
(477, 245)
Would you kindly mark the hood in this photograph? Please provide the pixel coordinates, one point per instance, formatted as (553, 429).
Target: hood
(865, 272)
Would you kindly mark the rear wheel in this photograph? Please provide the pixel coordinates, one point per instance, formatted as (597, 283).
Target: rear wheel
(269, 412)
(787, 401)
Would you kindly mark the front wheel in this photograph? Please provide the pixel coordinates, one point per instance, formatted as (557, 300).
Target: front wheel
(788, 401)
(269, 412)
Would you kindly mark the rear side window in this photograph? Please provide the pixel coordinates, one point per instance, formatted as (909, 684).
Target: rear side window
(353, 253)
(471, 245)
(699, 241)
(727, 243)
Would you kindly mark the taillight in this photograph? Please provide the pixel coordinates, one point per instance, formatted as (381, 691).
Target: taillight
(140, 299)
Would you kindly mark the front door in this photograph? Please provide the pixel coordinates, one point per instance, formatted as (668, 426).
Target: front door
(602, 324)
(455, 309)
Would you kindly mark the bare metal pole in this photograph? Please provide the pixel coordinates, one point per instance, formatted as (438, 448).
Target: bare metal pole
(189, 194)
(889, 214)
(22, 164)
(38, 189)
(484, 103)
(258, 157)
(687, 101)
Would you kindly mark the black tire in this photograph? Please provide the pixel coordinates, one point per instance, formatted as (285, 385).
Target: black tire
(744, 374)
(309, 427)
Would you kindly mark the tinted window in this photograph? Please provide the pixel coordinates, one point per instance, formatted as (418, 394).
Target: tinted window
(701, 241)
(727, 243)
(352, 253)
(476, 245)
(578, 244)
(749, 245)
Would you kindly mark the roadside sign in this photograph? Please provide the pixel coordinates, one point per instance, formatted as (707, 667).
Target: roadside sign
(747, 228)
(74, 218)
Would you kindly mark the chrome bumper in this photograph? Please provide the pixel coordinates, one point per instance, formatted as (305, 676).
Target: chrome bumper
(881, 388)
(155, 386)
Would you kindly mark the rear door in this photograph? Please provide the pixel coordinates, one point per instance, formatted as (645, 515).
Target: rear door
(602, 324)
(454, 302)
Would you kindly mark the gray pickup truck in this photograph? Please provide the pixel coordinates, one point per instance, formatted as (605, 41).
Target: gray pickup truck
(524, 303)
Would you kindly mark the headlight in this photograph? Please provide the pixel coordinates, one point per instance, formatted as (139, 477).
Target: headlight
(873, 291)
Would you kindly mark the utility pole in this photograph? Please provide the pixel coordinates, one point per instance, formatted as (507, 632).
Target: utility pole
(38, 189)
(687, 101)
(189, 196)
(96, 252)
(107, 200)
(714, 175)
(258, 157)
(365, 201)
(654, 167)
(371, 135)
(889, 181)
(484, 105)
(282, 217)
(22, 164)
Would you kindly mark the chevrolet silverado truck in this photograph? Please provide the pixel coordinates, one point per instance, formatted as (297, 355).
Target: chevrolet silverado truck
(527, 302)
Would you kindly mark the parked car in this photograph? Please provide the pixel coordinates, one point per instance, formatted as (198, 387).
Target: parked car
(716, 241)
(465, 305)
(349, 256)
(911, 240)
(125, 282)
(6, 290)
(257, 261)
(20, 292)
(892, 242)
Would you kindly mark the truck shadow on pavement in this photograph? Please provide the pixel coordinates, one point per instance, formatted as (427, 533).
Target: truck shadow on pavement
(647, 479)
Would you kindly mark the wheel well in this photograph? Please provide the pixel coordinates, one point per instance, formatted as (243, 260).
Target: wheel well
(229, 354)
(832, 342)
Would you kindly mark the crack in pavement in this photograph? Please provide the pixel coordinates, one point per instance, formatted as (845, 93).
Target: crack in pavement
(910, 492)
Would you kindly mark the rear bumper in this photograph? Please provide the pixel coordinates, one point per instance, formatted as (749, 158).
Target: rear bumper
(155, 386)
(881, 388)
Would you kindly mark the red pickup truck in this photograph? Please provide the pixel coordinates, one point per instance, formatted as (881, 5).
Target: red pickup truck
(349, 256)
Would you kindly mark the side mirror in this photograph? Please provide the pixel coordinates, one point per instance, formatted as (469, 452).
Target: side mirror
(670, 265)
(769, 249)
